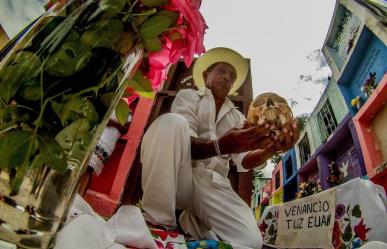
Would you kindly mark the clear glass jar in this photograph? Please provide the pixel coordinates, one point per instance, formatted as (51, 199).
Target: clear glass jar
(59, 85)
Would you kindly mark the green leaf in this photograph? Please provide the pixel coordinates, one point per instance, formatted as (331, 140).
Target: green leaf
(152, 44)
(25, 65)
(347, 236)
(74, 139)
(154, 3)
(154, 26)
(30, 90)
(269, 216)
(14, 148)
(122, 112)
(105, 33)
(112, 7)
(70, 58)
(141, 85)
(171, 14)
(224, 245)
(126, 94)
(271, 241)
(76, 108)
(13, 114)
(356, 212)
(52, 155)
(271, 231)
(107, 98)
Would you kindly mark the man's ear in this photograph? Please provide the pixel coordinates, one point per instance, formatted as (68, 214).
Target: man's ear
(205, 73)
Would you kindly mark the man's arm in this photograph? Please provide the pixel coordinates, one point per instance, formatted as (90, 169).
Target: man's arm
(258, 157)
(201, 148)
(233, 142)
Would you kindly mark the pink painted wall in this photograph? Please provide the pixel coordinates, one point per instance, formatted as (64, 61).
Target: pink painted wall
(370, 123)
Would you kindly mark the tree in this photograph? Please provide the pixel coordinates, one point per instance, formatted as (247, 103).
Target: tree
(301, 121)
(277, 158)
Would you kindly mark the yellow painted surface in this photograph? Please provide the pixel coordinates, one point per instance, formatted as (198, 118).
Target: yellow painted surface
(278, 196)
(258, 213)
(379, 125)
(3, 37)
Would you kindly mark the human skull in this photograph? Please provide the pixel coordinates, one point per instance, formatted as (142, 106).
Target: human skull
(270, 108)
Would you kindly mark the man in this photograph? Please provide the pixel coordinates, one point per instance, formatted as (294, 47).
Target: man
(185, 155)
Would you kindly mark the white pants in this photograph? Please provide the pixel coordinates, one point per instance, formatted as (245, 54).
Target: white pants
(169, 182)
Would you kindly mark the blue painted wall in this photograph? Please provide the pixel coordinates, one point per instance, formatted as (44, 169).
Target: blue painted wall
(290, 155)
(368, 57)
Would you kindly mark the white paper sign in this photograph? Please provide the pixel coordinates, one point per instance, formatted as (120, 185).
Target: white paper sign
(307, 223)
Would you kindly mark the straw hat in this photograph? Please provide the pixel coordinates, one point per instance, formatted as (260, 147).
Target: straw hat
(221, 54)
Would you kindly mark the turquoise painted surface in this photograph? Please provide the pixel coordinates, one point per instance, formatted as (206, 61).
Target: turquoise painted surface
(339, 107)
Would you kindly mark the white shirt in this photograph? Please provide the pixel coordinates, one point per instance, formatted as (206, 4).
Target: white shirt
(198, 108)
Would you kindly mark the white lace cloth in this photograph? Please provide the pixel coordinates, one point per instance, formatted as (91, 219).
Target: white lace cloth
(84, 229)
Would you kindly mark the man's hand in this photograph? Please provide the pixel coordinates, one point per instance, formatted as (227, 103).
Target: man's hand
(286, 137)
(265, 138)
(244, 139)
(282, 141)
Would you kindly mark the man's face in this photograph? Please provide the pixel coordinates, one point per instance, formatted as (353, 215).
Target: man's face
(220, 78)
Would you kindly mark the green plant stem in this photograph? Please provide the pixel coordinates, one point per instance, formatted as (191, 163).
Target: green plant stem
(349, 243)
(8, 126)
(145, 13)
(131, 7)
(94, 88)
(349, 221)
(22, 170)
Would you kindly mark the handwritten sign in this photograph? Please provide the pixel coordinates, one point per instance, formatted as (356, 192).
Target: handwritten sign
(299, 221)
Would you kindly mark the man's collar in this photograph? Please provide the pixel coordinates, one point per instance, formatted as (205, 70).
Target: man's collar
(205, 91)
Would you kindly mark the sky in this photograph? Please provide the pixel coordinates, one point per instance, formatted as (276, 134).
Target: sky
(283, 40)
(17, 14)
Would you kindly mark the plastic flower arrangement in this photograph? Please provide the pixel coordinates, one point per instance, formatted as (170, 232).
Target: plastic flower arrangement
(369, 85)
(308, 188)
(356, 102)
(335, 176)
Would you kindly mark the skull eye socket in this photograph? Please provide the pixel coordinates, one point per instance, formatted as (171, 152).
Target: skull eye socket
(259, 102)
(279, 99)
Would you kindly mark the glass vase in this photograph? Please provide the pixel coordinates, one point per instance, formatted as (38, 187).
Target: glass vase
(59, 85)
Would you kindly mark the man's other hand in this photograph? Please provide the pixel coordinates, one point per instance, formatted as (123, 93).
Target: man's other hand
(244, 139)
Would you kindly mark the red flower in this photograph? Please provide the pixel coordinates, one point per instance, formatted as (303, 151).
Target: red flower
(191, 28)
(173, 234)
(262, 227)
(336, 237)
(159, 233)
(184, 40)
(361, 230)
(159, 244)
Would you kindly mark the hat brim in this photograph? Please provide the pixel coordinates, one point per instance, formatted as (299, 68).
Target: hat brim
(221, 54)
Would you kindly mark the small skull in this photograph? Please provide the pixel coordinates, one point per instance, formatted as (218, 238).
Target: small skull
(270, 108)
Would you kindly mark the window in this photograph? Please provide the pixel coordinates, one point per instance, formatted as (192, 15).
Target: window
(277, 180)
(326, 120)
(304, 149)
(288, 168)
(259, 199)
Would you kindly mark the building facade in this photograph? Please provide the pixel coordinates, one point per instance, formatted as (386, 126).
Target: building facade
(345, 136)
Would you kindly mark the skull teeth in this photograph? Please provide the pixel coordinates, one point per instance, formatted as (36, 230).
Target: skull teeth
(282, 119)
